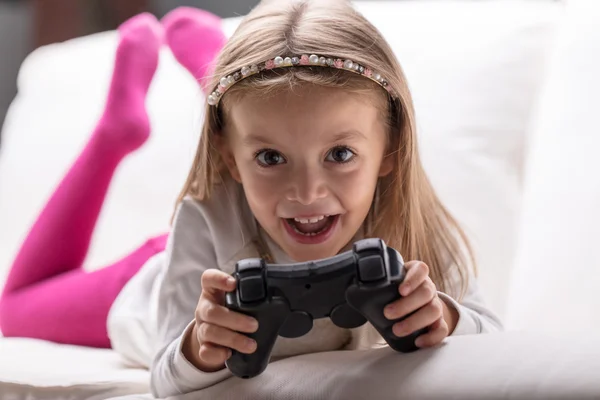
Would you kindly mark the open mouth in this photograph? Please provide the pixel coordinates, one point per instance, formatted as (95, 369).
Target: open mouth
(313, 226)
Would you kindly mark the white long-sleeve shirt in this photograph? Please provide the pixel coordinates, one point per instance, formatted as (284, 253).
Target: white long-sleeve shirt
(155, 309)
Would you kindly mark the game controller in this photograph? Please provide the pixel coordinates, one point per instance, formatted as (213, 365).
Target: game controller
(350, 288)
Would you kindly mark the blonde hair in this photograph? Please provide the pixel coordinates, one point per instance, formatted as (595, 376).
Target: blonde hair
(424, 229)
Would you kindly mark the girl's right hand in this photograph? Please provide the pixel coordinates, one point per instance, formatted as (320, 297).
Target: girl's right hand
(219, 329)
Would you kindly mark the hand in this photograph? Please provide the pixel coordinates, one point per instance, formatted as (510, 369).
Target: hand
(419, 295)
(217, 329)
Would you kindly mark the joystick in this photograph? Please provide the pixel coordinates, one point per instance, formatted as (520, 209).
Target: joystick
(350, 288)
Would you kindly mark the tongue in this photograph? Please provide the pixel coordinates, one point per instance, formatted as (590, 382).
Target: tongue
(312, 227)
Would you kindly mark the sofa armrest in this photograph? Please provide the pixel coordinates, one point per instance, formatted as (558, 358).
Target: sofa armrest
(490, 366)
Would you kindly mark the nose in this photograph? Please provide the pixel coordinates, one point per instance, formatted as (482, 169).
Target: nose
(306, 186)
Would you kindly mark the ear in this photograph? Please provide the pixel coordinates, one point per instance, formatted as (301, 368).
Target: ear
(226, 153)
(387, 165)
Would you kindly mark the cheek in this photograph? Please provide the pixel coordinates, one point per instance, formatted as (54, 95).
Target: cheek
(355, 189)
(261, 190)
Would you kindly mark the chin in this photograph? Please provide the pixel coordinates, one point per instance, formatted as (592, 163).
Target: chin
(299, 254)
(309, 252)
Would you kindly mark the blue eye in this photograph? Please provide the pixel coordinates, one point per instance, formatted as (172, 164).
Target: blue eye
(340, 155)
(269, 158)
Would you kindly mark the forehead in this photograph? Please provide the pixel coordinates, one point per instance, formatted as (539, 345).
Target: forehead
(306, 107)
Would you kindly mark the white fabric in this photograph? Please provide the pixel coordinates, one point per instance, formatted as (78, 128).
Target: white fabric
(508, 365)
(34, 369)
(132, 320)
(482, 367)
(557, 272)
(474, 89)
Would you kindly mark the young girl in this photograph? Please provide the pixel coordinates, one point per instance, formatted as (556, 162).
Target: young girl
(308, 144)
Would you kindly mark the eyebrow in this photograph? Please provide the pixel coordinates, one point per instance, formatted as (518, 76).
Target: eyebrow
(255, 139)
(338, 137)
(349, 134)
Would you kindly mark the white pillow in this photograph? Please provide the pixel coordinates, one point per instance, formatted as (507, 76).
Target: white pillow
(557, 273)
(62, 91)
(474, 69)
(40, 370)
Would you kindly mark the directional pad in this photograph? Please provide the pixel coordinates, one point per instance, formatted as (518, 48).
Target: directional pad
(252, 288)
(371, 268)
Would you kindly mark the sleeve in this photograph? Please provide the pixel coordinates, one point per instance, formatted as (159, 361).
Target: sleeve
(190, 251)
(473, 314)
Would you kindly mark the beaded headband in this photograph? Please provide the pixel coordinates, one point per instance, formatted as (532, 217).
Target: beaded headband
(304, 60)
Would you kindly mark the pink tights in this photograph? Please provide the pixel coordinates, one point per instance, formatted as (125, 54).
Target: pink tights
(47, 293)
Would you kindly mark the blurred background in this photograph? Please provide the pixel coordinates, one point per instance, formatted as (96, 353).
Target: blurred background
(501, 88)
(28, 24)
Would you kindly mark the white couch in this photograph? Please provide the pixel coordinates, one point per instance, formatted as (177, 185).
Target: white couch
(505, 94)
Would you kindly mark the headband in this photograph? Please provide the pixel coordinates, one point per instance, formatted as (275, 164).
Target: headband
(281, 62)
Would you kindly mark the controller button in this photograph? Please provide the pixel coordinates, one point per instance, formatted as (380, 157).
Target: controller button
(252, 289)
(369, 244)
(297, 324)
(249, 265)
(371, 268)
(346, 317)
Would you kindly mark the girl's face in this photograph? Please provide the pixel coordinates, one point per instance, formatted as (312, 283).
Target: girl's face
(308, 161)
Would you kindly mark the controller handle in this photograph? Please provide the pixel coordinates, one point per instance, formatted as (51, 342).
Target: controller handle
(251, 297)
(380, 270)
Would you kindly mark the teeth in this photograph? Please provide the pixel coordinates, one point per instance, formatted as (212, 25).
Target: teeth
(306, 221)
(309, 220)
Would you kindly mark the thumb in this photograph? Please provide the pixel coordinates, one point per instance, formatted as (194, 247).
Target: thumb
(215, 283)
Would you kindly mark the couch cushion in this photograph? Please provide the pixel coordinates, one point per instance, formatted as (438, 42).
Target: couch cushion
(557, 273)
(482, 367)
(475, 70)
(34, 369)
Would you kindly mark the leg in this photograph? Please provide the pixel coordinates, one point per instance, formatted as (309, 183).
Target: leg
(59, 240)
(72, 307)
(195, 38)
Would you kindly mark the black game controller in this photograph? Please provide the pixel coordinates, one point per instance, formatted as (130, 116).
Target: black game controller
(350, 288)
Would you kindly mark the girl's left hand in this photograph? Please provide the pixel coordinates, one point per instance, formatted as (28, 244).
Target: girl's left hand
(420, 293)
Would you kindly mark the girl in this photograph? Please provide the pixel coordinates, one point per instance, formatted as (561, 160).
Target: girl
(308, 144)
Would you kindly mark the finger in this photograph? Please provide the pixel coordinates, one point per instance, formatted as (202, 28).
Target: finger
(217, 314)
(426, 316)
(214, 355)
(416, 273)
(226, 338)
(417, 299)
(215, 282)
(436, 333)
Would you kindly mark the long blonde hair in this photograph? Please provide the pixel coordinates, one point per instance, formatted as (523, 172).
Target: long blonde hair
(409, 216)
